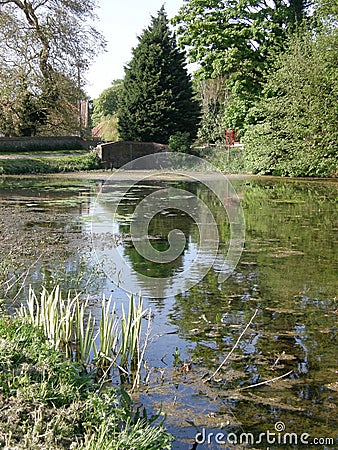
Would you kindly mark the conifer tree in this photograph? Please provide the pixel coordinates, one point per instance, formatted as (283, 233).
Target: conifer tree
(157, 100)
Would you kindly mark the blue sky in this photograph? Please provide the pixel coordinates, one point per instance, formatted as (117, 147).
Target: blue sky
(121, 21)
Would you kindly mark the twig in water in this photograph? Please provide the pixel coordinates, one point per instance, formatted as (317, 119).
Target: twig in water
(24, 275)
(232, 350)
(272, 380)
(162, 359)
(277, 360)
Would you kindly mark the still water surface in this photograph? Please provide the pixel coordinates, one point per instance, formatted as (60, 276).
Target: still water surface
(287, 272)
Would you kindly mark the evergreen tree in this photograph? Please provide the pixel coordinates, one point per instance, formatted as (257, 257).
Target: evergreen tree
(157, 100)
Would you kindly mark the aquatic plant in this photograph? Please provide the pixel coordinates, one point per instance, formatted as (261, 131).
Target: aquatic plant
(84, 332)
(48, 402)
(53, 315)
(70, 327)
(105, 354)
(131, 335)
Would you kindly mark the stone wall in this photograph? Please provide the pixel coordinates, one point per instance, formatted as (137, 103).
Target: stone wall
(117, 154)
(44, 143)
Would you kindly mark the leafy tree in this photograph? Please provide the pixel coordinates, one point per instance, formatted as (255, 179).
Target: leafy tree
(107, 102)
(327, 10)
(44, 48)
(108, 128)
(294, 127)
(212, 96)
(157, 97)
(233, 39)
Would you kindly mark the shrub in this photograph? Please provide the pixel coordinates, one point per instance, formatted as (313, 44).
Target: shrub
(180, 142)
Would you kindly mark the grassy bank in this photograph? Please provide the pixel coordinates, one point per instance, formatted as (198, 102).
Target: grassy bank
(227, 160)
(49, 164)
(51, 401)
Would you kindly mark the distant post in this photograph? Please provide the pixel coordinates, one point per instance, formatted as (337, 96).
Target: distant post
(229, 141)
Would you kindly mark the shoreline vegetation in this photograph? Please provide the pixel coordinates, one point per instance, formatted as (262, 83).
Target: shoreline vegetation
(55, 378)
(228, 161)
(43, 164)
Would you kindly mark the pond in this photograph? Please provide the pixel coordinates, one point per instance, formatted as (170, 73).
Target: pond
(54, 230)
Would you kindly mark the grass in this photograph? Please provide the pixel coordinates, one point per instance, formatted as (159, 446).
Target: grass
(48, 400)
(52, 164)
(44, 152)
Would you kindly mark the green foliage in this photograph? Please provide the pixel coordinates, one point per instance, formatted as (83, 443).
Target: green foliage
(44, 49)
(233, 39)
(48, 402)
(105, 353)
(139, 435)
(28, 363)
(293, 129)
(109, 129)
(228, 160)
(69, 326)
(107, 102)
(157, 98)
(212, 95)
(21, 112)
(130, 350)
(180, 142)
(177, 358)
(89, 161)
(327, 10)
(212, 127)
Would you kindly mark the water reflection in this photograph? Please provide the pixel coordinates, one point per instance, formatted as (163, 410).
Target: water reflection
(167, 233)
(288, 271)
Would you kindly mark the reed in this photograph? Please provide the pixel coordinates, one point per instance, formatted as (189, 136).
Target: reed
(71, 327)
(84, 328)
(55, 316)
(131, 328)
(106, 353)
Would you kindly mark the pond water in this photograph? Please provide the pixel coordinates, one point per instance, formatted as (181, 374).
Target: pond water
(286, 275)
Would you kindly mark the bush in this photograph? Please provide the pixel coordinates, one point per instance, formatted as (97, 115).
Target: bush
(180, 142)
(227, 161)
(292, 131)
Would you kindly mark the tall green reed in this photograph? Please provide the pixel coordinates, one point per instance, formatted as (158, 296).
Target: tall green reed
(106, 353)
(70, 326)
(84, 329)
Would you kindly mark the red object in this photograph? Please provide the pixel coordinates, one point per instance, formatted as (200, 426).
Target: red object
(229, 137)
